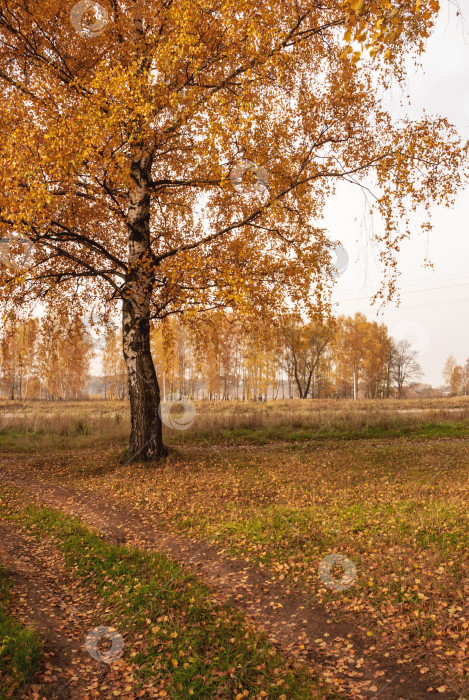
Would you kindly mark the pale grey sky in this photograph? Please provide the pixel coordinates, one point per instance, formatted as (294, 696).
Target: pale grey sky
(433, 312)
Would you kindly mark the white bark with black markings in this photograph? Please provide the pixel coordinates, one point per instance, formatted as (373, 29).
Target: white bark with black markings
(146, 440)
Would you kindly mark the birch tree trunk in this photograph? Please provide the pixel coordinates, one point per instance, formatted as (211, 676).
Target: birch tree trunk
(146, 436)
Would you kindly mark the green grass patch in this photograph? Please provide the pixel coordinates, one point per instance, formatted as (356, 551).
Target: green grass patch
(284, 433)
(20, 648)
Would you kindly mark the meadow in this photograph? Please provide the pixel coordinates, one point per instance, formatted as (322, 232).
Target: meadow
(68, 425)
(289, 549)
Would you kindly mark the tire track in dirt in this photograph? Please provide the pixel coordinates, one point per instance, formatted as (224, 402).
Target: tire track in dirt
(67, 668)
(298, 626)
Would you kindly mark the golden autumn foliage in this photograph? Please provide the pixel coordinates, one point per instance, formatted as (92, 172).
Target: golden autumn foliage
(45, 358)
(126, 134)
(363, 354)
(114, 369)
(197, 88)
(17, 356)
(456, 376)
(64, 352)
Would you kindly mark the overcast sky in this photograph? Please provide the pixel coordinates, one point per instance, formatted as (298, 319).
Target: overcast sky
(433, 313)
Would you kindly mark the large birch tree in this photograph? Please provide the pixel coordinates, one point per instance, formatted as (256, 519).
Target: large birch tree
(175, 156)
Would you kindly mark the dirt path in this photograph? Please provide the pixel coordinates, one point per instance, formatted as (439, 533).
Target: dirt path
(295, 623)
(40, 598)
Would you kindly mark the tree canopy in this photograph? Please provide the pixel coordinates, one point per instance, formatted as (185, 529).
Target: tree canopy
(188, 90)
(129, 131)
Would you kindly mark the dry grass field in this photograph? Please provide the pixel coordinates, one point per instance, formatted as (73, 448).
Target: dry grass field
(33, 426)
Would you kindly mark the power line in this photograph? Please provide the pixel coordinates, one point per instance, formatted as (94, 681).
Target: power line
(425, 306)
(415, 291)
(438, 303)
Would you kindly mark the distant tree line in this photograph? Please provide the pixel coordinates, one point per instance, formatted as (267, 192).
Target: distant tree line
(215, 358)
(223, 359)
(456, 376)
(45, 358)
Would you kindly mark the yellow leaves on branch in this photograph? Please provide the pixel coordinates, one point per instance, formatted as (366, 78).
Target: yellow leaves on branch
(380, 25)
(176, 112)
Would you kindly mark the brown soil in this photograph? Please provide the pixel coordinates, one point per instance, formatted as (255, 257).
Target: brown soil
(40, 599)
